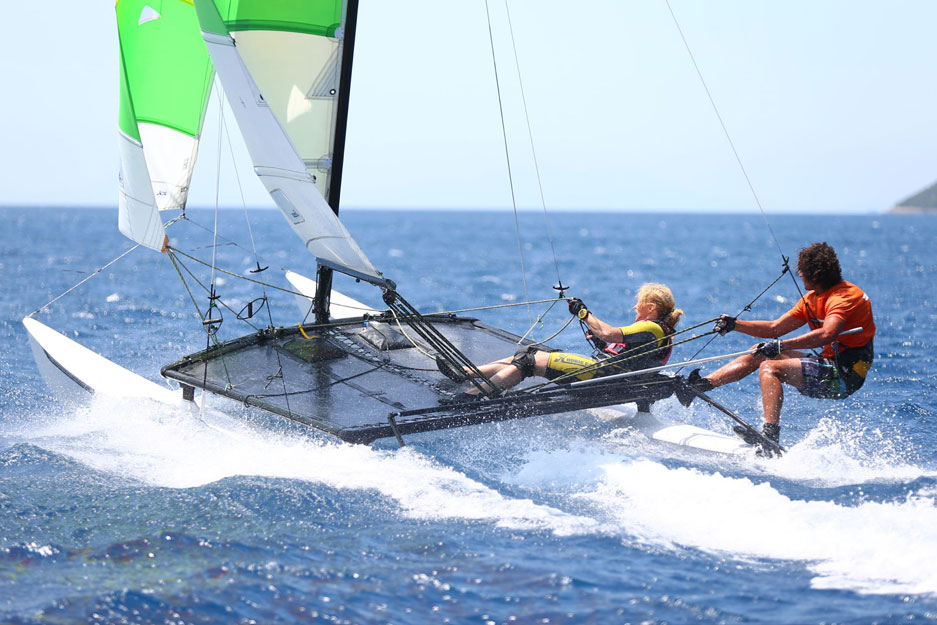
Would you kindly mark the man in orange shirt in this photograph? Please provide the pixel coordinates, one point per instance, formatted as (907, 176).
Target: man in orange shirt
(830, 307)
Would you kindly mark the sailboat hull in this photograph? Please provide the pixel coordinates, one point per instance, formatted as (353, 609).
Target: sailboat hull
(74, 372)
(399, 399)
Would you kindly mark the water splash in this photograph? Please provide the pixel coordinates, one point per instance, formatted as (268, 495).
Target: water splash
(160, 446)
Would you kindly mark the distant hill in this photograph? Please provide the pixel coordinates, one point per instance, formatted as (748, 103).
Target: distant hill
(923, 202)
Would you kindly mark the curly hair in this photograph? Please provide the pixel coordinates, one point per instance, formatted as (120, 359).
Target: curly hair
(819, 264)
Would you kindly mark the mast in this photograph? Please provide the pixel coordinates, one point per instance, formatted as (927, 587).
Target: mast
(324, 274)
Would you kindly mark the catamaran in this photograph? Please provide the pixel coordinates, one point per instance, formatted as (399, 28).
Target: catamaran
(354, 372)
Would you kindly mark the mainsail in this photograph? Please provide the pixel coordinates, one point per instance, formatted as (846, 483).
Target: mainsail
(279, 65)
(165, 76)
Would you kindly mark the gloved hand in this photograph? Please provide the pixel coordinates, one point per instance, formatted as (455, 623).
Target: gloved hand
(769, 349)
(577, 308)
(724, 324)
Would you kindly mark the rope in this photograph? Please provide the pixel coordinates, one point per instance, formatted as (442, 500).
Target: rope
(552, 336)
(630, 354)
(72, 288)
(507, 157)
(725, 130)
(408, 337)
(540, 322)
(533, 150)
(615, 361)
(738, 159)
(745, 309)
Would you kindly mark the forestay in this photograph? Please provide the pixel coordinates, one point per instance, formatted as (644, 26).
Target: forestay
(165, 76)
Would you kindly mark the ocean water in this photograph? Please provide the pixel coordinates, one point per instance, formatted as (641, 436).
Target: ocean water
(131, 512)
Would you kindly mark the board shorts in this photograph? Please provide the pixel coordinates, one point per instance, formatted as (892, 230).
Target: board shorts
(823, 380)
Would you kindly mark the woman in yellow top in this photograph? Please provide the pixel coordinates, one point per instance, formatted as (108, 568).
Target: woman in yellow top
(654, 322)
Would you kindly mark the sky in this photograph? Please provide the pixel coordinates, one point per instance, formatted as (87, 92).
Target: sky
(829, 104)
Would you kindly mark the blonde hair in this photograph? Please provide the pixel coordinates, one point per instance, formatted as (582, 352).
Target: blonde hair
(662, 298)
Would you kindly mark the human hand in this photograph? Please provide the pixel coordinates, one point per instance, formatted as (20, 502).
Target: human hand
(577, 308)
(724, 324)
(769, 349)
(596, 341)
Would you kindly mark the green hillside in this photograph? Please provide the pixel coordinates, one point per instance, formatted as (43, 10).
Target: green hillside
(922, 202)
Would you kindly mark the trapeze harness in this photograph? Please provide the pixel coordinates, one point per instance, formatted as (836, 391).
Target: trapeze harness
(655, 335)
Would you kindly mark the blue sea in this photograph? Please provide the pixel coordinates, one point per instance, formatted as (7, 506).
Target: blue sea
(119, 511)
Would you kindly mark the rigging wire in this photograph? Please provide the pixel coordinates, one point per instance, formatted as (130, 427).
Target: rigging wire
(725, 129)
(209, 323)
(745, 308)
(507, 156)
(533, 150)
(82, 281)
(223, 132)
(639, 351)
(203, 318)
(218, 299)
(269, 285)
(741, 165)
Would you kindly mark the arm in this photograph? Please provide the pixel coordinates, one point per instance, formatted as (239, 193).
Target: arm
(823, 335)
(768, 329)
(600, 329)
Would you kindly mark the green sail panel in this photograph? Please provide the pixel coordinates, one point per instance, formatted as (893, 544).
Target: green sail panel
(275, 154)
(165, 77)
(293, 51)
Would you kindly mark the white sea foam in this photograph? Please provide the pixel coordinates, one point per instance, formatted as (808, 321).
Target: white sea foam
(149, 442)
(871, 547)
(868, 546)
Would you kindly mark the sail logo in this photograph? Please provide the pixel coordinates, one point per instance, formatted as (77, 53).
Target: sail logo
(148, 15)
(286, 207)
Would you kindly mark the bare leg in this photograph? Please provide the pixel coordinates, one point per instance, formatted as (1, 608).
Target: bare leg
(743, 366)
(735, 370)
(491, 368)
(771, 374)
(506, 375)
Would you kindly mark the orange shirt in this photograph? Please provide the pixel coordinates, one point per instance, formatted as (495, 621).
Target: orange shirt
(846, 301)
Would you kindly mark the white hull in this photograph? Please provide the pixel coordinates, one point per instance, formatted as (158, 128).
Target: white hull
(74, 372)
(689, 436)
(340, 306)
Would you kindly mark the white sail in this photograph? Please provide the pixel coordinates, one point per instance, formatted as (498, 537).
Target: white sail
(165, 74)
(276, 160)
